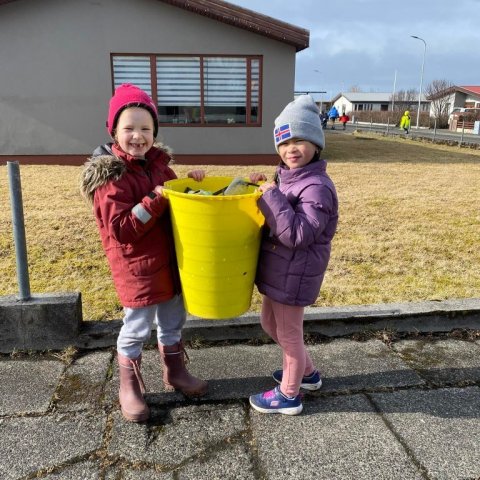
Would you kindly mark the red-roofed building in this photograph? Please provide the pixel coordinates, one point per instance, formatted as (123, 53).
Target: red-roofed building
(451, 104)
(462, 97)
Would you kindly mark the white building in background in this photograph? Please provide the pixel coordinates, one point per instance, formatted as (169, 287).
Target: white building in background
(351, 102)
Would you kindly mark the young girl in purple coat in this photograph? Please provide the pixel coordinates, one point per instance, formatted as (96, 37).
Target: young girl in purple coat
(301, 213)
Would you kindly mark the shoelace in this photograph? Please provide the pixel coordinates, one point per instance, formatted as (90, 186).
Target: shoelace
(138, 374)
(181, 352)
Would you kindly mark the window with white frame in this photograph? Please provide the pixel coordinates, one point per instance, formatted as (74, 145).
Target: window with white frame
(196, 89)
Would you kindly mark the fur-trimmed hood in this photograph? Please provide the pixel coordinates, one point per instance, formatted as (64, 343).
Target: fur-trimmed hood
(104, 166)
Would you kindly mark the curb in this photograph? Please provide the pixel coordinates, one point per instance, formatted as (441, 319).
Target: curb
(413, 318)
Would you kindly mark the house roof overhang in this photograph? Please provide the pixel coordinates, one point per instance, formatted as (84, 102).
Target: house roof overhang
(248, 20)
(468, 90)
(242, 18)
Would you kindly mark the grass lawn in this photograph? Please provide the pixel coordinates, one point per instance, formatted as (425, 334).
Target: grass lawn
(409, 227)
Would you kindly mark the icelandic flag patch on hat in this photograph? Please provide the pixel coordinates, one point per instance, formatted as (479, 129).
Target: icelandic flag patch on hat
(282, 133)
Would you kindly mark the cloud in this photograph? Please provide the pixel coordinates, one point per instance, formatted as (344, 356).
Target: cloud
(364, 42)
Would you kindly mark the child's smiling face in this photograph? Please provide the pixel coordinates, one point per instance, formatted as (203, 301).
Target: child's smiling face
(296, 152)
(134, 132)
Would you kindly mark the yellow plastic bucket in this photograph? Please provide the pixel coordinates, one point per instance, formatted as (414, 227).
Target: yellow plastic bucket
(217, 240)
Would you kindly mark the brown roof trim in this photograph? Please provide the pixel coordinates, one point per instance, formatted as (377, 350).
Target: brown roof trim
(248, 20)
(469, 90)
(185, 159)
(243, 18)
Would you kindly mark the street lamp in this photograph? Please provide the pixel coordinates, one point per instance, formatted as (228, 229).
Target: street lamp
(421, 76)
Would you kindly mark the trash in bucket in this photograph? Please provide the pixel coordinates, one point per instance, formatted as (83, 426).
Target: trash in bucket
(217, 241)
(238, 186)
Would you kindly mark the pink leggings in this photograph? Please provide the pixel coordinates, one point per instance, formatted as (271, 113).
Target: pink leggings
(284, 323)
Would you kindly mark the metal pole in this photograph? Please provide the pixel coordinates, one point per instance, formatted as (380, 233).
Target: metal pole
(421, 75)
(388, 125)
(19, 230)
(434, 130)
(393, 94)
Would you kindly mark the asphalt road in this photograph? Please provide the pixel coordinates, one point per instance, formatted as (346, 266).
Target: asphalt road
(439, 134)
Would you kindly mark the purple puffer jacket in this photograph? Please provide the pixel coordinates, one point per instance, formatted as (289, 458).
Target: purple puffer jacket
(301, 219)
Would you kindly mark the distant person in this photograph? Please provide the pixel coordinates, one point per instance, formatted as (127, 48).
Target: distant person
(405, 122)
(344, 118)
(124, 181)
(301, 214)
(324, 119)
(333, 115)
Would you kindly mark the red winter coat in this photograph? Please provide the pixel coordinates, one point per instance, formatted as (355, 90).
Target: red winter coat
(134, 223)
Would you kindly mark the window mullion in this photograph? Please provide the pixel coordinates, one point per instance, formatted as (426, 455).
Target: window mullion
(202, 92)
(153, 70)
(249, 91)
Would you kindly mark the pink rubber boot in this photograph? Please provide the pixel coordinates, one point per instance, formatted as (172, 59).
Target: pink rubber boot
(175, 373)
(133, 405)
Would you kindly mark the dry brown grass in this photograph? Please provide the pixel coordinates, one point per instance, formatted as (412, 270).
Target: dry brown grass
(409, 227)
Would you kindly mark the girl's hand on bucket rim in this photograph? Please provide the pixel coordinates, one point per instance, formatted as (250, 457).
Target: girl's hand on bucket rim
(264, 187)
(197, 175)
(159, 190)
(257, 177)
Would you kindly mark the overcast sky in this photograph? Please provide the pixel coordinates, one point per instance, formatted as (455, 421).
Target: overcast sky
(363, 43)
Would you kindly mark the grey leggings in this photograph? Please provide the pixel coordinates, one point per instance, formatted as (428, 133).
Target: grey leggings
(169, 317)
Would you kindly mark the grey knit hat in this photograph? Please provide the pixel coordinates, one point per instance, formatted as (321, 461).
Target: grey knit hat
(299, 119)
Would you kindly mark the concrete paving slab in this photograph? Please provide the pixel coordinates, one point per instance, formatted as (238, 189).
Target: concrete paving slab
(442, 361)
(28, 386)
(32, 444)
(174, 436)
(237, 371)
(83, 383)
(148, 474)
(84, 470)
(335, 438)
(231, 463)
(441, 428)
(348, 365)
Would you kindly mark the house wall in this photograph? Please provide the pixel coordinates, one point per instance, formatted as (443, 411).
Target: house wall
(56, 78)
(472, 101)
(459, 99)
(343, 105)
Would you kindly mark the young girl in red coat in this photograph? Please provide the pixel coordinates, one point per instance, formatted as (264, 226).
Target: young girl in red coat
(124, 181)
(301, 214)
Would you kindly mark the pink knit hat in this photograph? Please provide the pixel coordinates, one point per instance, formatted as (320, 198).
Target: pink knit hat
(125, 95)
